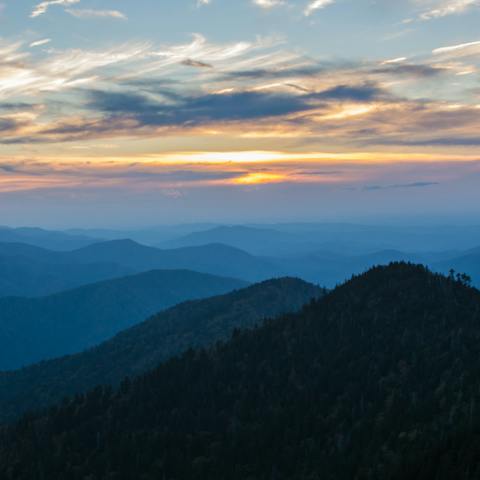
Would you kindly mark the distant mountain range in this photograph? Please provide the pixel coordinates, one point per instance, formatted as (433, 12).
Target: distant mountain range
(281, 240)
(32, 271)
(217, 259)
(34, 329)
(366, 382)
(144, 346)
(50, 239)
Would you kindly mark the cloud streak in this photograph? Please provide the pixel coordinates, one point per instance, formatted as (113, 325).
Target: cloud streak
(315, 5)
(449, 7)
(89, 13)
(42, 7)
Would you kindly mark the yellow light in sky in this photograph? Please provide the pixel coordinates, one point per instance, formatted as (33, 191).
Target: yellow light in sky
(259, 178)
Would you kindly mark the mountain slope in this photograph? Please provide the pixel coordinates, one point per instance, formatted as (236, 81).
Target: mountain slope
(216, 259)
(26, 270)
(33, 329)
(257, 241)
(144, 346)
(25, 275)
(351, 387)
(468, 263)
(45, 238)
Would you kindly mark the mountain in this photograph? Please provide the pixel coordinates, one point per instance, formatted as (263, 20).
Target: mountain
(26, 270)
(148, 236)
(284, 240)
(34, 329)
(45, 238)
(355, 386)
(31, 271)
(216, 259)
(144, 346)
(257, 241)
(455, 457)
(468, 262)
(331, 269)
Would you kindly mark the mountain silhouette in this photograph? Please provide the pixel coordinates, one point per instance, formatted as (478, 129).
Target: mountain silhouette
(34, 329)
(356, 385)
(142, 347)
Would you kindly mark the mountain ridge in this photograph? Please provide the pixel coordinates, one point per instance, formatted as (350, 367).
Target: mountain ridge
(352, 386)
(194, 323)
(35, 328)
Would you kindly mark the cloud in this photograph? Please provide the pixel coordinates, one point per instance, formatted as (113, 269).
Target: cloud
(446, 141)
(60, 70)
(394, 60)
(316, 5)
(89, 13)
(357, 93)
(39, 43)
(267, 4)
(471, 47)
(197, 110)
(411, 70)
(245, 92)
(188, 62)
(400, 185)
(42, 7)
(449, 7)
(201, 3)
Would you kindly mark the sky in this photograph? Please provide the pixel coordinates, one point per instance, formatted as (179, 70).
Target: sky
(121, 112)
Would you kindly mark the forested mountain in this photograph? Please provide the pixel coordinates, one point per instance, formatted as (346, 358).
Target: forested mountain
(355, 386)
(33, 329)
(468, 262)
(143, 347)
(456, 457)
(45, 238)
(30, 271)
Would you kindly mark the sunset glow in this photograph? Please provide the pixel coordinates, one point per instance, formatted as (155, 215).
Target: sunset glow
(136, 106)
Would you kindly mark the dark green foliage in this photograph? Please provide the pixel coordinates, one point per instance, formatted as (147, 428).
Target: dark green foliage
(455, 458)
(34, 329)
(468, 262)
(356, 386)
(143, 347)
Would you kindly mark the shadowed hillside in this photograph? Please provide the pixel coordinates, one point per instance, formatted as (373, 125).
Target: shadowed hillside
(34, 329)
(354, 386)
(143, 347)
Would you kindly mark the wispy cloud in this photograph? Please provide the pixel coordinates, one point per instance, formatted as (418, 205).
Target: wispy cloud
(472, 47)
(400, 186)
(267, 4)
(89, 13)
(39, 43)
(246, 92)
(42, 7)
(316, 5)
(449, 7)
